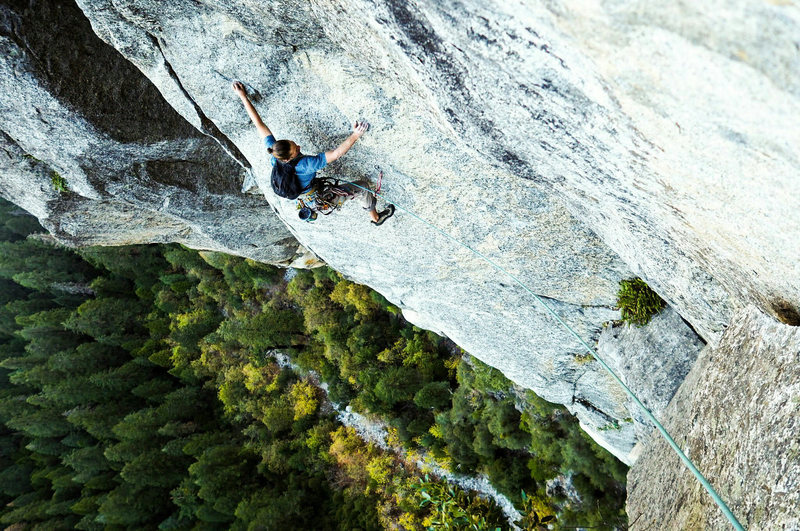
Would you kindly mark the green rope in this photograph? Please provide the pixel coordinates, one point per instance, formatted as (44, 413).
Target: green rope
(725, 510)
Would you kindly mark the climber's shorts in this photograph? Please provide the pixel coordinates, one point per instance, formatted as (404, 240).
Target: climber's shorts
(367, 197)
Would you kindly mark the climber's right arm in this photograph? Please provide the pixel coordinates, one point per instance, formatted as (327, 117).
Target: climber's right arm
(263, 130)
(358, 130)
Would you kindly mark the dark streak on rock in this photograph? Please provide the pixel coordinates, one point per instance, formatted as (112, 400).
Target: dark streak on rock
(528, 92)
(285, 42)
(544, 47)
(591, 407)
(546, 146)
(514, 163)
(453, 116)
(786, 312)
(60, 49)
(289, 241)
(481, 37)
(423, 43)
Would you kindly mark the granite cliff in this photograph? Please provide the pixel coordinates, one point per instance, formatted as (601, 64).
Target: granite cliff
(573, 144)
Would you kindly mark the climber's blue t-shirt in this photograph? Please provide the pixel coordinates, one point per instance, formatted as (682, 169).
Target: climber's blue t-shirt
(306, 169)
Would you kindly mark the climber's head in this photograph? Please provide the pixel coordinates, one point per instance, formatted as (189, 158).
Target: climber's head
(284, 150)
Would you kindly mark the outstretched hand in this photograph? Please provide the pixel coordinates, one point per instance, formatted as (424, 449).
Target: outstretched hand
(239, 89)
(360, 128)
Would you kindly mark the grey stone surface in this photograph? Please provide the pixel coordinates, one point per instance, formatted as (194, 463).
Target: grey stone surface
(735, 416)
(572, 143)
(652, 361)
(309, 86)
(646, 126)
(136, 171)
(710, 90)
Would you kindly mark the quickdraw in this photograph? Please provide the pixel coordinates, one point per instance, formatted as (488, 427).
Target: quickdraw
(330, 195)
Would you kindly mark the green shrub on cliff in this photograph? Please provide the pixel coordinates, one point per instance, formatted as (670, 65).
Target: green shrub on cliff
(58, 182)
(638, 302)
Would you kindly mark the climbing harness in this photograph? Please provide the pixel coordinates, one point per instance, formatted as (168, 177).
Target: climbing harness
(686, 461)
(325, 197)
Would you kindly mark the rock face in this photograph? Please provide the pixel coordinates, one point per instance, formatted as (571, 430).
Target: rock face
(736, 418)
(648, 359)
(137, 172)
(572, 144)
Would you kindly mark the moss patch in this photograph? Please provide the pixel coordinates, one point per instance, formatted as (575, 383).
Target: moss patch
(638, 302)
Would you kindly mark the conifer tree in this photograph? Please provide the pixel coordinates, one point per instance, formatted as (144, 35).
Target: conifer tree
(112, 321)
(43, 266)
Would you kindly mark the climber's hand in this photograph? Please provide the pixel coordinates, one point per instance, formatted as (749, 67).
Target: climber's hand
(239, 89)
(360, 128)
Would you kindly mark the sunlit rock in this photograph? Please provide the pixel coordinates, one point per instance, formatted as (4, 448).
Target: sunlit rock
(572, 144)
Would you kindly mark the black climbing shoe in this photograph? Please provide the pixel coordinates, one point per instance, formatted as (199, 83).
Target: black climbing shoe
(383, 216)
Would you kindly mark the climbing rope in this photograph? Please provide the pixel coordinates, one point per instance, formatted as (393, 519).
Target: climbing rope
(686, 461)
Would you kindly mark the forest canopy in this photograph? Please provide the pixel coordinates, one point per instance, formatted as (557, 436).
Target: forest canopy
(139, 387)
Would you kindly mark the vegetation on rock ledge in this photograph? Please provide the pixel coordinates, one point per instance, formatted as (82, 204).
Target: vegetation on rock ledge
(637, 302)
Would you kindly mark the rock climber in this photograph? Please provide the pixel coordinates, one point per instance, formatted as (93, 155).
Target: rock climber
(308, 166)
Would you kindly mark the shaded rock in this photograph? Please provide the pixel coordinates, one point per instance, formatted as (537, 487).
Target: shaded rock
(652, 360)
(562, 487)
(135, 171)
(735, 417)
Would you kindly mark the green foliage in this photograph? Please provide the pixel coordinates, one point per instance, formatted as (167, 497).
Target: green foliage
(124, 428)
(355, 297)
(396, 384)
(487, 378)
(15, 223)
(531, 519)
(637, 302)
(116, 322)
(269, 329)
(141, 264)
(305, 398)
(149, 400)
(453, 508)
(433, 395)
(58, 182)
(43, 267)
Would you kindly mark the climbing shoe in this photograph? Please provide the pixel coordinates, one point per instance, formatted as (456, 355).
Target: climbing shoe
(383, 216)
